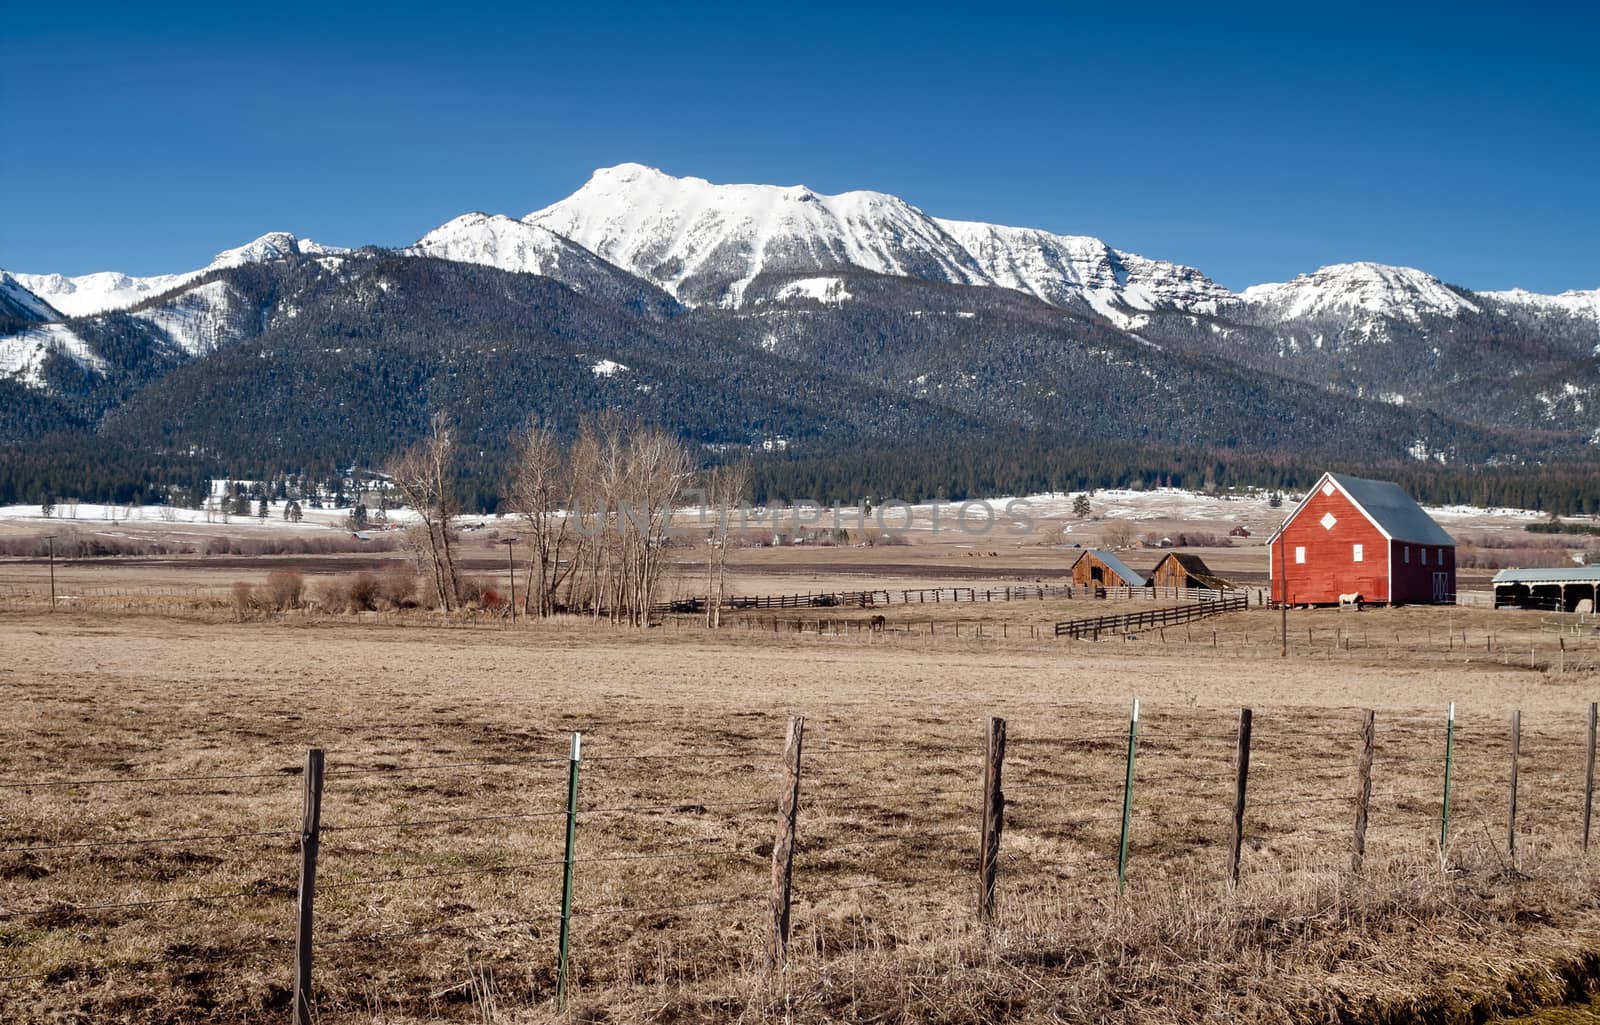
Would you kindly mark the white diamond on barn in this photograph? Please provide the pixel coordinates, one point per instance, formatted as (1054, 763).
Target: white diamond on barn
(1328, 521)
(1327, 489)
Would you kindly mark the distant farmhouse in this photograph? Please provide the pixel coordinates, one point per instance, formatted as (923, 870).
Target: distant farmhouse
(1356, 536)
(1101, 568)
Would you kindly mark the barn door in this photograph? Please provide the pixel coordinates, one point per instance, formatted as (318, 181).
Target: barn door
(1441, 588)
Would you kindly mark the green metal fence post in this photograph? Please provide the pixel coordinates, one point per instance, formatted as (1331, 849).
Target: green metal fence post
(566, 881)
(1449, 759)
(1127, 799)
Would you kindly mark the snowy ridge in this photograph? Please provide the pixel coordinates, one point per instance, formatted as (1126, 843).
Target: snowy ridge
(1372, 289)
(1575, 303)
(15, 297)
(111, 290)
(1066, 270)
(705, 243)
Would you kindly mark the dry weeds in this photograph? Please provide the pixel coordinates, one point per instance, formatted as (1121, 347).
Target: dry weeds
(439, 920)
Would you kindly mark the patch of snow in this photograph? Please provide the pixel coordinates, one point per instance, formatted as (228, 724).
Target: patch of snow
(22, 355)
(828, 291)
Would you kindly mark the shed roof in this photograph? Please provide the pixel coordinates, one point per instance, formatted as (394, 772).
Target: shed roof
(1568, 575)
(1118, 567)
(1390, 509)
(1196, 569)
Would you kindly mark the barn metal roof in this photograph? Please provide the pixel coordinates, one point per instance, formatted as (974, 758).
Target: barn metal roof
(1119, 567)
(1392, 510)
(1572, 575)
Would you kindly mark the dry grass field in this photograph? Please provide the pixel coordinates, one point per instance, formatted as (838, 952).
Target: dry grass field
(438, 895)
(151, 749)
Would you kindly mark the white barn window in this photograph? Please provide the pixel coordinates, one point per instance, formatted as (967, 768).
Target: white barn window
(1356, 554)
(1300, 553)
(1408, 555)
(1424, 556)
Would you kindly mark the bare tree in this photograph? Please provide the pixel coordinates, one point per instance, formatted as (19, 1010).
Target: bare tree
(425, 478)
(542, 492)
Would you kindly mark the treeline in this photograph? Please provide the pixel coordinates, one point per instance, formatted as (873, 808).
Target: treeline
(1014, 466)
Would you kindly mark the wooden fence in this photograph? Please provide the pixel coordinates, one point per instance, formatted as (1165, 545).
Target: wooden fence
(1113, 798)
(1094, 626)
(875, 597)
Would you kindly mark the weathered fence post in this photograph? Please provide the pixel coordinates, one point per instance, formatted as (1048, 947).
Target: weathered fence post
(1449, 765)
(1364, 787)
(310, 839)
(1127, 800)
(1242, 763)
(994, 806)
(778, 897)
(564, 941)
(1511, 813)
(1588, 772)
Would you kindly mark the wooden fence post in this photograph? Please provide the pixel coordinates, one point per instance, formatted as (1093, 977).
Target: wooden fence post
(310, 838)
(779, 895)
(1511, 813)
(1588, 772)
(1364, 787)
(1242, 763)
(994, 805)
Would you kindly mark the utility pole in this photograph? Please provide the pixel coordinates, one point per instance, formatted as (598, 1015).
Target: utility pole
(51, 538)
(511, 573)
(1283, 593)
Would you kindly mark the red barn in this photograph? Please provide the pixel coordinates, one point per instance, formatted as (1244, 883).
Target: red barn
(1367, 537)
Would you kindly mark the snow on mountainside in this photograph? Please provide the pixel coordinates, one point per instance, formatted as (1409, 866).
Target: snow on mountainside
(17, 301)
(1362, 290)
(705, 243)
(1575, 303)
(1064, 270)
(199, 319)
(22, 355)
(109, 290)
(498, 241)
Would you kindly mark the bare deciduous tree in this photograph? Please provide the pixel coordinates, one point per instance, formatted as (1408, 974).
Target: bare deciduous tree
(425, 478)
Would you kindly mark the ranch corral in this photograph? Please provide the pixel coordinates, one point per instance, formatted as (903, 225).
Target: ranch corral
(156, 734)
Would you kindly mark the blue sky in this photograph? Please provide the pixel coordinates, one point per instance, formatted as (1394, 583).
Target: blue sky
(1254, 145)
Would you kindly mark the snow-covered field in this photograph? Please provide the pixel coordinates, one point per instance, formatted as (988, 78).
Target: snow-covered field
(1162, 506)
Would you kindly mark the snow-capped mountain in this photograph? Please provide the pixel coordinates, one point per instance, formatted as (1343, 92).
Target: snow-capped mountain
(705, 243)
(1071, 270)
(502, 242)
(1583, 304)
(1361, 290)
(111, 290)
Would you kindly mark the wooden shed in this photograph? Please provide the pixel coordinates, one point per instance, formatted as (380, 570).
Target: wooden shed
(1101, 568)
(1568, 589)
(1351, 535)
(1181, 569)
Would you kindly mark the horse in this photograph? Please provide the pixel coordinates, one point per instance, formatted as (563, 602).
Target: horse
(1354, 598)
(877, 624)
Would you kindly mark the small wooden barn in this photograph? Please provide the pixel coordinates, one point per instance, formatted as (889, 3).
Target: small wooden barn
(1181, 569)
(1351, 535)
(1101, 568)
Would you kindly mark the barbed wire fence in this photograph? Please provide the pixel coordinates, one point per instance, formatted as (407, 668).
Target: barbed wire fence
(765, 852)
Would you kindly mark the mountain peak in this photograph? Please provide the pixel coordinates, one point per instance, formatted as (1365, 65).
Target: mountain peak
(705, 242)
(1363, 287)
